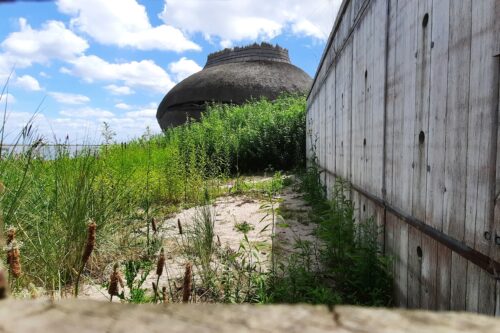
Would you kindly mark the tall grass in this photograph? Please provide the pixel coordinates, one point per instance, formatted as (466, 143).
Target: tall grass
(121, 186)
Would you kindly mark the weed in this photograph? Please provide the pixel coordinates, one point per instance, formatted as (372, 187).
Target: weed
(244, 227)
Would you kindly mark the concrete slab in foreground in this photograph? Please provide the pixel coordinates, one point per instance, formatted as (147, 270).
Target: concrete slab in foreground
(83, 316)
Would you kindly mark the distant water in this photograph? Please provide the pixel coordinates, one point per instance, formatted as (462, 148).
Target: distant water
(49, 152)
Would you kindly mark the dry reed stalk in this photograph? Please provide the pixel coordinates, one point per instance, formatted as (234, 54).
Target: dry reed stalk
(11, 235)
(188, 277)
(89, 246)
(164, 294)
(13, 258)
(114, 281)
(161, 263)
(3, 285)
(154, 225)
(180, 226)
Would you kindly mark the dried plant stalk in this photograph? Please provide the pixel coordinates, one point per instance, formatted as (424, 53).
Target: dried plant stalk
(154, 225)
(161, 263)
(11, 235)
(13, 258)
(164, 294)
(180, 226)
(188, 277)
(3, 285)
(89, 246)
(114, 280)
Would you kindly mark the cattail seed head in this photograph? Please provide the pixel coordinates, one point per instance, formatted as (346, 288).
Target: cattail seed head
(3, 285)
(161, 263)
(11, 235)
(13, 258)
(89, 246)
(180, 226)
(153, 225)
(164, 294)
(188, 276)
(114, 280)
(155, 288)
(219, 244)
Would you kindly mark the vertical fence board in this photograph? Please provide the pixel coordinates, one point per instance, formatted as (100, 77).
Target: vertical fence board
(456, 139)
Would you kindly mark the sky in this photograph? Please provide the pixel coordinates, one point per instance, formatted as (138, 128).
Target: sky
(80, 63)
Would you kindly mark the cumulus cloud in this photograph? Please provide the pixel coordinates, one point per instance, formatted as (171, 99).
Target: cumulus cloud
(123, 106)
(124, 23)
(87, 112)
(183, 68)
(67, 98)
(52, 41)
(252, 19)
(7, 98)
(119, 90)
(145, 73)
(28, 82)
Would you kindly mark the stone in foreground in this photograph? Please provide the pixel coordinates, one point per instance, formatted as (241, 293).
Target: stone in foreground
(83, 316)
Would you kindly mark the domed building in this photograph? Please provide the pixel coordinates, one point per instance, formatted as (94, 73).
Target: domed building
(233, 76)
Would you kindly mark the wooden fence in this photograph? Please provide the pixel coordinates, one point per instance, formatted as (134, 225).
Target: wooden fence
(405, 105)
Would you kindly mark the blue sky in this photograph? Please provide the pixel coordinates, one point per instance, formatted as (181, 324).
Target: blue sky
(90, 61)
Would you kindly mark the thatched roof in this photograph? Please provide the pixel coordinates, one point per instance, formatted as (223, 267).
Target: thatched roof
(233, 76)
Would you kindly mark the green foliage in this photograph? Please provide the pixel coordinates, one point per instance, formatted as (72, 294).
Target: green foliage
(50, 200)
(346, 266)
(136, 273)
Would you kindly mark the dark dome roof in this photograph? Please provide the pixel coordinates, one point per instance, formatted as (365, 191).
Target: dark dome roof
(233, 76)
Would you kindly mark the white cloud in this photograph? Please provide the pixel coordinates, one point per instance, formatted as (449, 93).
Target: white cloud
(252, 19)
(145, 113)
(28, 82)
(183, 68)
(119, 90)
(52, 41)
(123, 23)
(67, 98)
(7, 98)
(123, 106)
(145, 73)
(87, 112)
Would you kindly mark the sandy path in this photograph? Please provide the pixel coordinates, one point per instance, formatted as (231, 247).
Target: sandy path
(292, 225)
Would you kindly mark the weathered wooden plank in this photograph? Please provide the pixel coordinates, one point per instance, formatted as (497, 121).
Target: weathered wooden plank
(436, 265)
(458, 283)
(481, 147)
(443, 288)
(419, 164)
(378, 83)
(390, 104)
(456, 138)
(358, 103)
(428, 277)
